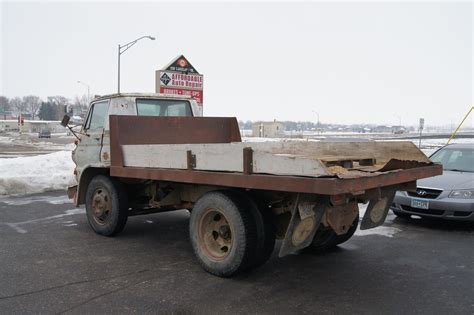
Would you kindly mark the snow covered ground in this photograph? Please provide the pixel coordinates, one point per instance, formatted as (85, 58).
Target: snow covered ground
(34, 174)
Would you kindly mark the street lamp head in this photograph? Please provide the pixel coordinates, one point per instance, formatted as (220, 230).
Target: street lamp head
(151, 37)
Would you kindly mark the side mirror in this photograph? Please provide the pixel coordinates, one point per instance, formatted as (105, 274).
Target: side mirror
(65, 120)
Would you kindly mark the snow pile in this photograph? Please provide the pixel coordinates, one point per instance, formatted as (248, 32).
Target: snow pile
(34, 174)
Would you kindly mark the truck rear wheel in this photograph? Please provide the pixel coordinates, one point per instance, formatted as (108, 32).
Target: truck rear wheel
(106, 206)
(326, 239)
(265, 229)
(223, 233)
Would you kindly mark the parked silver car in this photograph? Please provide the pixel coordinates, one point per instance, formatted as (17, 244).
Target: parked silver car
(447, 196)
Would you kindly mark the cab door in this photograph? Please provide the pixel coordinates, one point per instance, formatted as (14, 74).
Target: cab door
(89, 149)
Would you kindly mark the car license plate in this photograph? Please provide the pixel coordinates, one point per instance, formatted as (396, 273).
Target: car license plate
(420, 204)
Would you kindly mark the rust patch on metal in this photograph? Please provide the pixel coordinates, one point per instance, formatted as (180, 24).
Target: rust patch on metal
(248, 161)
(324, 186)
(340, 218)
(168, 130)
(395, 164)
(191, 160)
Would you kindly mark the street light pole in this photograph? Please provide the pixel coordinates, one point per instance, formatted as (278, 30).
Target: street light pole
(118, 79)
(124, 48)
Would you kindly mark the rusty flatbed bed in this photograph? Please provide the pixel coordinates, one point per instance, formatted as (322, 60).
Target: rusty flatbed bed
(155, 131)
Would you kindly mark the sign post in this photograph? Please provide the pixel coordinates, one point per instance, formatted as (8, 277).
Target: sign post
(420, 128)
(179, 77)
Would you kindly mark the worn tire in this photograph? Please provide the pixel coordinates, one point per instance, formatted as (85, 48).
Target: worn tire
(106, 205)
(326, 239)
(265, 229)
(232, 251)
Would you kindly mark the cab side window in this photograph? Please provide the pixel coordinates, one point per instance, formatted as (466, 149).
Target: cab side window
(97, 116)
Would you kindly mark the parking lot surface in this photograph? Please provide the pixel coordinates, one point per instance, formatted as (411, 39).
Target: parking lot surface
(52, 262)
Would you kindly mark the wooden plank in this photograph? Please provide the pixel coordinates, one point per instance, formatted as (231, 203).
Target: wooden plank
(299, 159)
(227, 157)
(282, 164)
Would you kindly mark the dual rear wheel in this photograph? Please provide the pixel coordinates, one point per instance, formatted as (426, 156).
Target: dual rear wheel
(229, 233)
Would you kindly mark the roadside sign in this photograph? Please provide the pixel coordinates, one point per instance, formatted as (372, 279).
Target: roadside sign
(181, 80)
(420, 128)
(179, 77)
(181, 64)
(173, 91)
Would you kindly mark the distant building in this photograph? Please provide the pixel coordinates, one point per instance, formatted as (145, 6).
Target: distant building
(9, 125)
(267, 129)
(39, 125)
(31, 126)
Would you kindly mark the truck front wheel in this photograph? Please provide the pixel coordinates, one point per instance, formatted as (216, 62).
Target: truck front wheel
(106, 205)
(223, 233)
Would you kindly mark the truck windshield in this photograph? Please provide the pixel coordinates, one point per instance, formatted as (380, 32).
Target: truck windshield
(147, 107)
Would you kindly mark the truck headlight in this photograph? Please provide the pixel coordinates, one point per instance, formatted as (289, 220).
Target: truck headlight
(462, 194)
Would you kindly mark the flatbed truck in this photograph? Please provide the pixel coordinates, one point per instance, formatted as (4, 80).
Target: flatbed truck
(146, 153)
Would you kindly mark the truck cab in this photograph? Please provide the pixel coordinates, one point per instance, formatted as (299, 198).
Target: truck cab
(93, 156)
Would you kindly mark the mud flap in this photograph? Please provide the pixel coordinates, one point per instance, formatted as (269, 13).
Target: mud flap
(377, 209)
(72, 193)
(305, 219)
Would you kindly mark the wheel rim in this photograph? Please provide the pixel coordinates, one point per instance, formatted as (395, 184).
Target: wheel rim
(215, 235)
(101, 206)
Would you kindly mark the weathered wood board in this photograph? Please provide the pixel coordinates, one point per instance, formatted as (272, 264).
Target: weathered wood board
(279, 158)
(227, 157)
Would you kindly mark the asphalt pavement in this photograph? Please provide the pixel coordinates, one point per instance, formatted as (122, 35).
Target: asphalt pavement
(52, 262)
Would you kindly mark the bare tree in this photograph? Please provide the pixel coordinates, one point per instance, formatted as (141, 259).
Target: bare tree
(18, 105)
(58, 100)
(61, 103)
(33, 104)
(80, 104)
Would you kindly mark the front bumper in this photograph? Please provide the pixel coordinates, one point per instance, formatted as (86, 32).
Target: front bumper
(442, 207)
